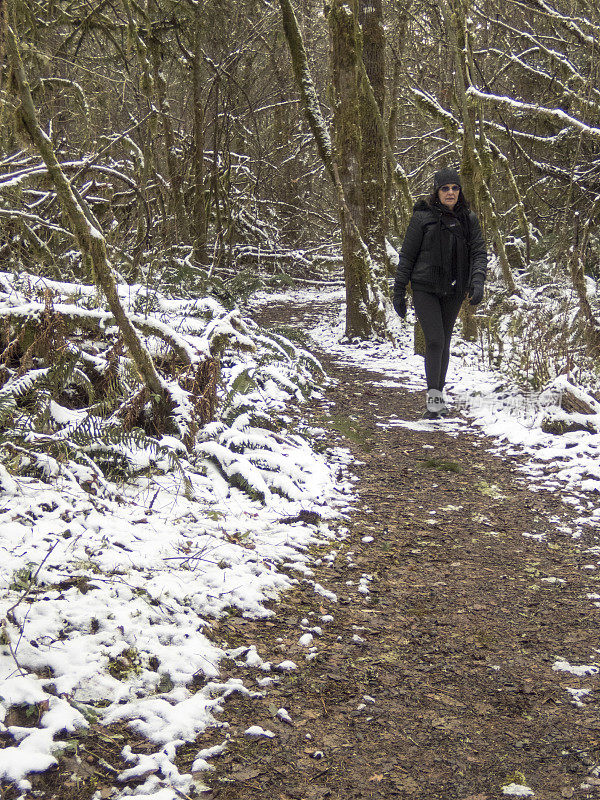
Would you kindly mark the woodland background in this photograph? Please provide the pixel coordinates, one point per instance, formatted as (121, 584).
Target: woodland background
(160, 162)
(209, 148)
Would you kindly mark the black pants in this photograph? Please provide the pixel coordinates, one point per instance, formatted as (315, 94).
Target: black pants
(437, 316)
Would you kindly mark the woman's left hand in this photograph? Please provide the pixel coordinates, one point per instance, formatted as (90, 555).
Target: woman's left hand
(476, 294)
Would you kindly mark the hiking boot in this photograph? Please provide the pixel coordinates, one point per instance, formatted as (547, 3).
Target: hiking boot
(435, 404)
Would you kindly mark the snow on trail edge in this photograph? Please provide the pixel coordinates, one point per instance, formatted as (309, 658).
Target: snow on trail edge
(109, 596)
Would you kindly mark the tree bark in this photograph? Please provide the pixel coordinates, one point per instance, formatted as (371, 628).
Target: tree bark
(370, 16)
(200, 218)
(3, 23)
(3, 70)
(397, 217)
(346, 72)
(174, 166)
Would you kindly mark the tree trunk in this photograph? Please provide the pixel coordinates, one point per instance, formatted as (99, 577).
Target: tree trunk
(3, 23)
(469, 322)
(397, 217)
(365, 307)
(346, 55)
(372, 157)
(3, 74)
(215, 192)
(174, 166)
(472, 167)
(147, 90)
(200, 219)
(89, 238)
(590, 323)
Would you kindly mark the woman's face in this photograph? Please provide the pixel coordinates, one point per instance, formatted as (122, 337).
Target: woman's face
(448, 194)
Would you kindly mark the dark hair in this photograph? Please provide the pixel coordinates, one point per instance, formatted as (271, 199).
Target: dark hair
(462, 204)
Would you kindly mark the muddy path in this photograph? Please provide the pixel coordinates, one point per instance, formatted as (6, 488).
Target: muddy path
(437, 676)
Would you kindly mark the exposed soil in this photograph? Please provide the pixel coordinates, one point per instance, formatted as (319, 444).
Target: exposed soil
(438, 684)
(457, 638)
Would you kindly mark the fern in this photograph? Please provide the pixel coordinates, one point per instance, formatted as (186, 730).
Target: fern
(73, 404)
(8, 406)
(242, 384)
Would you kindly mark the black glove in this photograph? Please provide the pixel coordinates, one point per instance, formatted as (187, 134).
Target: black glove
(476, 294)
(400, 301)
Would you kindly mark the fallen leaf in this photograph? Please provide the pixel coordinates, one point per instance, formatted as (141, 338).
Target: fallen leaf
(376, 778)
(311, 714)
(245, 774)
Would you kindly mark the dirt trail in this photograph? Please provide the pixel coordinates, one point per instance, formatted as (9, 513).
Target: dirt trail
(455, 643)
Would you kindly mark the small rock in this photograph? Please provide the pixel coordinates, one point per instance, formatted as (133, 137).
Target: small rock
(286, 666)
(283, 715)
(256, 730)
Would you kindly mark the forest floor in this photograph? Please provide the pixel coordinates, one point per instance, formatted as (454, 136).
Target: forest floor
(446, 671)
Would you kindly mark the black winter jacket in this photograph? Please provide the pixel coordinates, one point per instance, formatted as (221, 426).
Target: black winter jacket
(421, 253)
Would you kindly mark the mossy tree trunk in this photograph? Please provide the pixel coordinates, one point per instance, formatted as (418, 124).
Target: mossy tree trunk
(474, 167)
(394, 217)
(469, 324)
(346, 55)
(3, 23)
(5, 128)
(365, 308)
(372, 156)
(419, 343)
(200, 213)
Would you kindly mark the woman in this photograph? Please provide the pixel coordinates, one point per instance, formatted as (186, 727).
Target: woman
(444, 258)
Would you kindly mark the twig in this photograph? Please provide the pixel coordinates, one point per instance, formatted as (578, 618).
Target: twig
(324, 706)
(10, 616)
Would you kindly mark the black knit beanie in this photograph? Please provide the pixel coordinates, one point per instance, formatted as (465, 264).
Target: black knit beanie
(445, 176)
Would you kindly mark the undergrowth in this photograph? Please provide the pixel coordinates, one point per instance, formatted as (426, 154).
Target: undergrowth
(539, 335)
(73, 405)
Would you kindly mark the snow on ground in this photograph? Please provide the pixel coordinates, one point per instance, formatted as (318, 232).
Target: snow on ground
(116, 597)
(109, 590)
(108, 597)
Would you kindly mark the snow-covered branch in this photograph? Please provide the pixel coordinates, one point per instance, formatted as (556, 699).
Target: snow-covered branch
(555, 115)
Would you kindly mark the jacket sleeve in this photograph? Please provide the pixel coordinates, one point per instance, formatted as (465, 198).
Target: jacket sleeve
(479, 256)
(409, 251)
